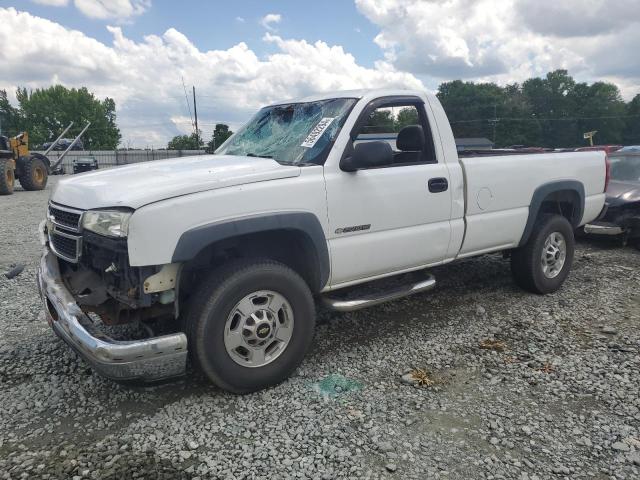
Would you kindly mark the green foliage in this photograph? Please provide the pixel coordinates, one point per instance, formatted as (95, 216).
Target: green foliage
(220, 134)
(380, 121)
(186, 142)
(406, 116)
(553, 111)
(632, 132)
(9, 116)
(45, 112)
(388, 120)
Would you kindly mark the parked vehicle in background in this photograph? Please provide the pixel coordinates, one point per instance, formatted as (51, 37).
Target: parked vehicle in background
(84, 164)
(63, 144)
(600, 148)
(231, 249)
(622, 217)
(630, 148)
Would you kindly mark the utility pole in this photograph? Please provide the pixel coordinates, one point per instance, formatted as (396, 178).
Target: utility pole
(195, 114)
(495, 123)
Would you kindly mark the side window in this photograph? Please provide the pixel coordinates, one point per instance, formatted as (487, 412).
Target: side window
(405, 128)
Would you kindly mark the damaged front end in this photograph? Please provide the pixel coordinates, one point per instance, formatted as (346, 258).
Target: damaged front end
(102, 281)
(84, 273)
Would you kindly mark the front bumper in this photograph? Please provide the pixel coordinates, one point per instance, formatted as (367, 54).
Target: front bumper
(146, 360)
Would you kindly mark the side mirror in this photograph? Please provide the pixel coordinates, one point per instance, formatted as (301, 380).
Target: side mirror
(367, 155)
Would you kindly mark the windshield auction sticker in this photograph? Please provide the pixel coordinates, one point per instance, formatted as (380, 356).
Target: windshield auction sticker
(317, 132)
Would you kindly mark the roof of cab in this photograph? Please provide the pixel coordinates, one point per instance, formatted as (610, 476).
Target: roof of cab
(363, 93)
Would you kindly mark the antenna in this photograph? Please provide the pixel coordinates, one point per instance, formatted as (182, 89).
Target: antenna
(195, 112)
(187, 100)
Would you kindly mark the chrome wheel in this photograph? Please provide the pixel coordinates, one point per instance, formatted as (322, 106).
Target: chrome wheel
(554, 254)
(258, 329)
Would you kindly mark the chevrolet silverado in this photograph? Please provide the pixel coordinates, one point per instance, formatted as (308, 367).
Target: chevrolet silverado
(232, 250)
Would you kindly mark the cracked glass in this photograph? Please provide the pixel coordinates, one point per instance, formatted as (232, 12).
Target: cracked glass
(291, 134)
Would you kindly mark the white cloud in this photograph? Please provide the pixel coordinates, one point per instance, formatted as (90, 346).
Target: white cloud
(270, 20)
(52, 3)
(112, 9)
(240, 19)
(104, 9)
(144, 77)
(577, 18)
(509, 40)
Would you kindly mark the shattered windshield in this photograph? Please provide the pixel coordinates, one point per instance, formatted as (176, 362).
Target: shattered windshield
(293, 133)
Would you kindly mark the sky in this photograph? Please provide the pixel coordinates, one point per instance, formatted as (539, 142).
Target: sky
(243, 54)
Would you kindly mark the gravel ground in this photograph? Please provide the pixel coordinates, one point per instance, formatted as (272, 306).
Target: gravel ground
(556, 394)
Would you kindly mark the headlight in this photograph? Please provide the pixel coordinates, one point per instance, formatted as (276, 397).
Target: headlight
(111, 223)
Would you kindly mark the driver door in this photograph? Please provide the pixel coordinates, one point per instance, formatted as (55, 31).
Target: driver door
(395, 217)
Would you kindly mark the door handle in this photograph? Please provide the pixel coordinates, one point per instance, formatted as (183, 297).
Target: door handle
(437, 185)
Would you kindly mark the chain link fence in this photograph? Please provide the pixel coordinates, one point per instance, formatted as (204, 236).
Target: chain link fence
(114, 158)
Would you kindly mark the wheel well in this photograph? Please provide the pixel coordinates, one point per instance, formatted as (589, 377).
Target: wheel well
(563, 197)
(293, 248)
(563, 202)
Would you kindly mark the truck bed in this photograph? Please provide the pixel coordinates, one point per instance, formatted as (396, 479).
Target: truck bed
(499, 189)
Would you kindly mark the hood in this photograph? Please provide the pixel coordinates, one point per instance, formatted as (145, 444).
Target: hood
(143, 183)
(619, 193)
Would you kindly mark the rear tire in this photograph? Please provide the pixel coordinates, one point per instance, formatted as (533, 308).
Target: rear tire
(7, 176)
(34, 174)
(543, 263)
(242, 309)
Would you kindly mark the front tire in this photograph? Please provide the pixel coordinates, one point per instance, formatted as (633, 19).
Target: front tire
(543, 263)
(250, 324)
(34, 174)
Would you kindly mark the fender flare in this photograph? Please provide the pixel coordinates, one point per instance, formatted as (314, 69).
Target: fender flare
(542, 192)
(196, 239)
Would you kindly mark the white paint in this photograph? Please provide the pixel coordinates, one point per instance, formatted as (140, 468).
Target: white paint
(165, 279)
(141, 184)
(512, 180)
(154, 230)
(484, 198)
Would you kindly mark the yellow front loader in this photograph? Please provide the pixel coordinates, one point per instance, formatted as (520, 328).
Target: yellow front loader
(16, 161)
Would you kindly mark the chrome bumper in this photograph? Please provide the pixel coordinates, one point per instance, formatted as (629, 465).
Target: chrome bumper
(146, 360)
(603, 229)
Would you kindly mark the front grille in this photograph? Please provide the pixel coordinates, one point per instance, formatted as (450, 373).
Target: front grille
(64, 229)
(65, 247)
(65, 217)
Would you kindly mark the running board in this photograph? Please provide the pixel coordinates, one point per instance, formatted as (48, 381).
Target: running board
(350, 305)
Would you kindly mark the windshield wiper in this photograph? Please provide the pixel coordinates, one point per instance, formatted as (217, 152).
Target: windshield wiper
(259, 156)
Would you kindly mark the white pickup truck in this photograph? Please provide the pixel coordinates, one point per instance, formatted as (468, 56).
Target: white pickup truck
(219, 257)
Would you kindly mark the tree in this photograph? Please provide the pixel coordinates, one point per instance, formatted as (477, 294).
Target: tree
(600, 107)
(552, 111)
(632, 132)
(501, 114)
(220, 134)
(9, 116)
(46, 112)
(406, 116)
(186, 142)
(380, 121)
